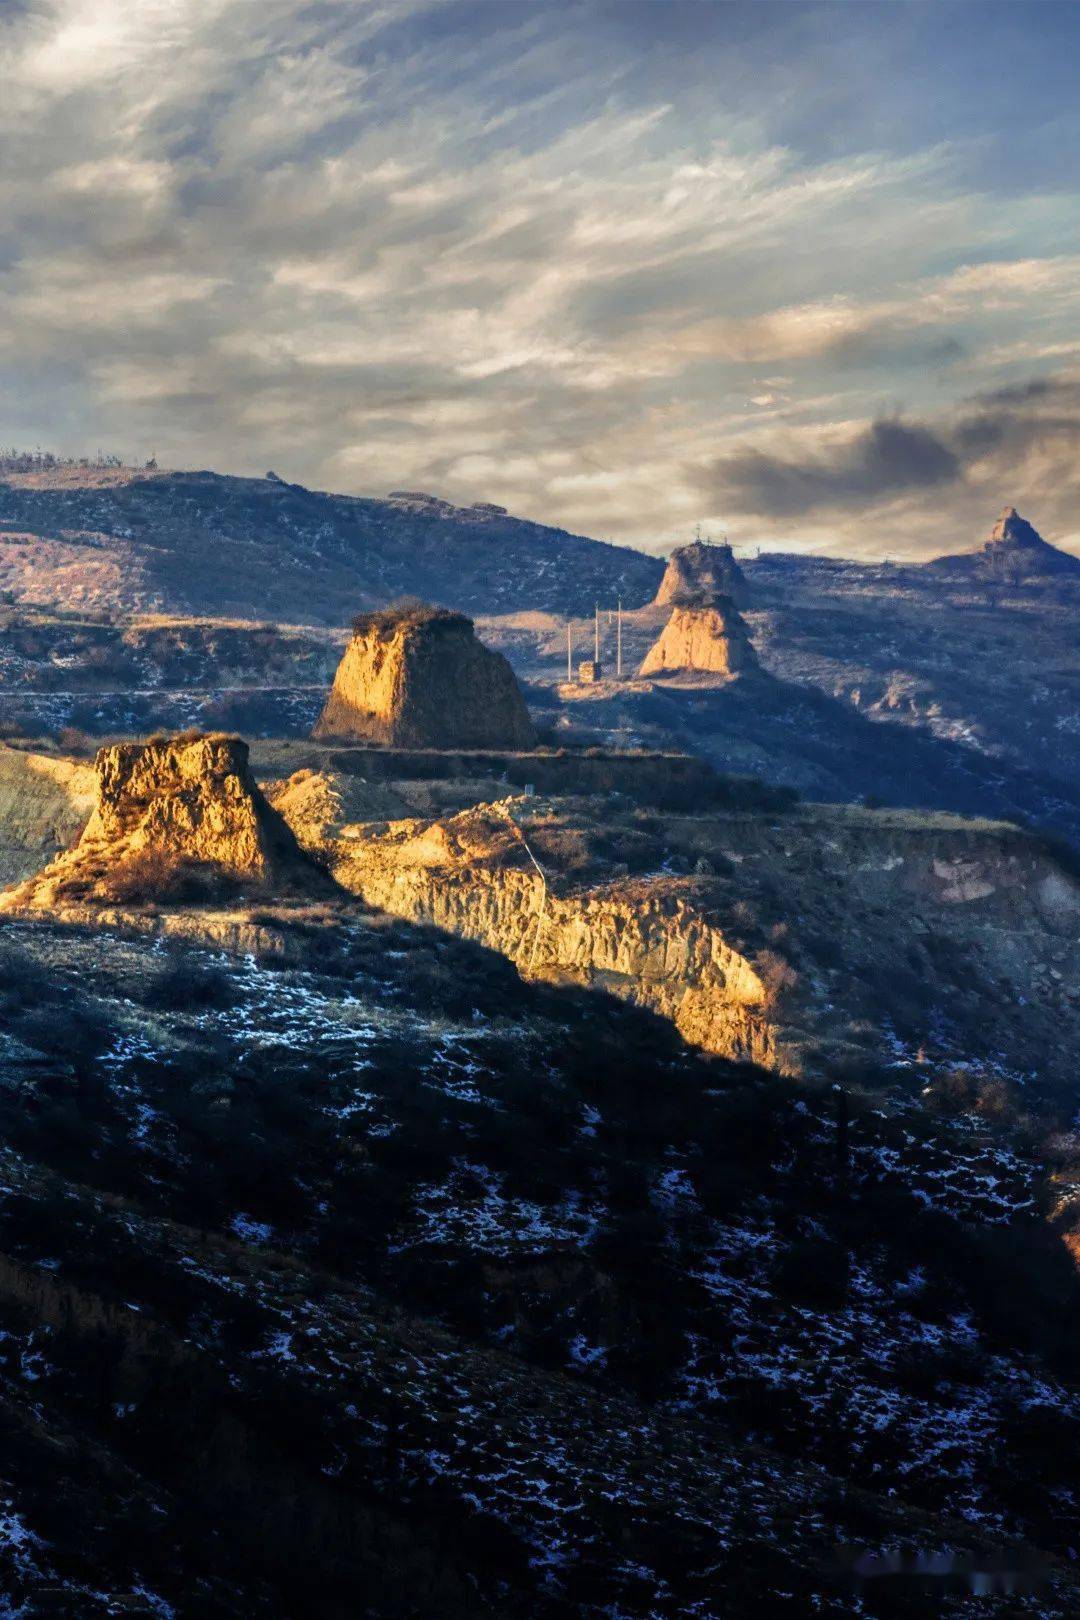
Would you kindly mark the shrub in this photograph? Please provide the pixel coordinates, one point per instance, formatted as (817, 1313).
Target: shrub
(149, 875)
(71, 740)
(777, 975)
(185, 982)
(407, 613)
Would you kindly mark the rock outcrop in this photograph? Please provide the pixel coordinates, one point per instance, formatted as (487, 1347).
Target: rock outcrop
(700, 569)
(534, 880)
(175, 818)
(784, 938)
(1014, 551)
(419, 678)
(709, 636)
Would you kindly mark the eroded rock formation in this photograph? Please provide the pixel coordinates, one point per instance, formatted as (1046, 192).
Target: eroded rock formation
(709, 636)
(169, 813)
(699, 570)
(1015, 550)
(783, 938)
(531, 879)
(419, 678)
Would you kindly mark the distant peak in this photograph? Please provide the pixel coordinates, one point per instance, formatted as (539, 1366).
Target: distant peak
(1013, 530)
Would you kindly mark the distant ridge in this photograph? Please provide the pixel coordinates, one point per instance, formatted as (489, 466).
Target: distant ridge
(129, 540)
(1015, 550)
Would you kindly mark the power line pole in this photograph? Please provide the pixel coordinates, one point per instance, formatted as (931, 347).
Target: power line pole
(569, 655)
(618, 641)
(596, 633)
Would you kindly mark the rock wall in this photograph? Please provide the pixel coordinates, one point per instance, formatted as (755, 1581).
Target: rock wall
(791, 939)
(708, 637)
(421, 679)
(646, 945)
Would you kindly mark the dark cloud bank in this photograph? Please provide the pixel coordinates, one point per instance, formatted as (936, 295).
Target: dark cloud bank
(895, 457)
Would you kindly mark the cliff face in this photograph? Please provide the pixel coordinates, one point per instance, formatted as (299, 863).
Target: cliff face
(164, 808)
(701, 570)
(710, 637)
(421, 679)
(648, 942)
(787, 938)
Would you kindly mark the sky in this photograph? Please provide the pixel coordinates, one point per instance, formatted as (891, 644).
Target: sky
(805, 275)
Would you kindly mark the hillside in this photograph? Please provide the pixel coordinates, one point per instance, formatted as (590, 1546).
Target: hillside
(451, 1295)
(138, 541)
(1015, 552)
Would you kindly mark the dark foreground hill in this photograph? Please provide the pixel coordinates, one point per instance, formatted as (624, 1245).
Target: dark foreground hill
(355, 1277)
(256, 548)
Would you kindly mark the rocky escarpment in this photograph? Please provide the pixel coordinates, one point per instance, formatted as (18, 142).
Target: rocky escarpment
(530, 879)
(169, 814)
(419, 678)
(708, 635)
(1015, 551)
(793, 938)
(701, 570)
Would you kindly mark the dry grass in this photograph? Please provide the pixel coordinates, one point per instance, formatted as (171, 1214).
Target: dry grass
(406, 615)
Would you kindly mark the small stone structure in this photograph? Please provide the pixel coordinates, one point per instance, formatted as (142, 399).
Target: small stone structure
(417, 677)
(590, 670)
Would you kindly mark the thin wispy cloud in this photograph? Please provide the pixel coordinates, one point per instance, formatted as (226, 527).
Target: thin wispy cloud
(583, 260)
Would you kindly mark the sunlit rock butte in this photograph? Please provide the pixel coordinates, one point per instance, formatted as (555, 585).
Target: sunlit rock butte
(176, 818)
(417, 677)
(708, 636)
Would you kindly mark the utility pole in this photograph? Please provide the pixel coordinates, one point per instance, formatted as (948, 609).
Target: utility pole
(618, 641)
(596, 634)
(569, 655)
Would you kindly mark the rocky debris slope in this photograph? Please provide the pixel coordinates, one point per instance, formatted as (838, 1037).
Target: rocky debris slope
(708, 635)
(45, 802)
(701, 570)
(419, 678)
(255, 548)
(1015, 551)
(169, 814)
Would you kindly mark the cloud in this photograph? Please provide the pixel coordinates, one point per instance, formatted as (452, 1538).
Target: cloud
(1018, 441)
(871, 467)
(506, 253)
